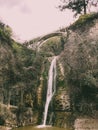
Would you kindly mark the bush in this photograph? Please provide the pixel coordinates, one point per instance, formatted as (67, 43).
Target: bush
(83, 20)
(2, 120)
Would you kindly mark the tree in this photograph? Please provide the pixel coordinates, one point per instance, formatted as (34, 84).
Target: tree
(2, 120)
(78, 6)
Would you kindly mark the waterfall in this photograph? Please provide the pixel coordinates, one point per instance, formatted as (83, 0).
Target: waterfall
(51, 88)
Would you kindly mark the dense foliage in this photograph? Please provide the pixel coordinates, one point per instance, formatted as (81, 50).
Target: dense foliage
(5, 32)
(84, 21)
(24, 72)
(80, 59)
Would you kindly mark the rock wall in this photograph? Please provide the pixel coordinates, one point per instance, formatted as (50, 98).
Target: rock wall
(86, 124)
(80, 62)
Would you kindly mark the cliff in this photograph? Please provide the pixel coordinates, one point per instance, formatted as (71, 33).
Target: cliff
(81, 64)
(24, 74)
(17, 76)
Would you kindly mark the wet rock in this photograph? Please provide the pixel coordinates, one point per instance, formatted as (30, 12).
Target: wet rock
(62, 101)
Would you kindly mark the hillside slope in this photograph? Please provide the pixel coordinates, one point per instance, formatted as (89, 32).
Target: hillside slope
(80, 62)
(18, 74)
(24, 74)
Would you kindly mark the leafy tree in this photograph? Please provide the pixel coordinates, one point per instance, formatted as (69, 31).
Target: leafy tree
(28, 100)
(20, 114)
(77, 6)
(5, 33)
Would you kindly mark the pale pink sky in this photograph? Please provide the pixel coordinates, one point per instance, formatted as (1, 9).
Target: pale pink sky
(32, 18)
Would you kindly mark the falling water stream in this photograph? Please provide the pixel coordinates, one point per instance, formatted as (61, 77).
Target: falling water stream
(51, 88)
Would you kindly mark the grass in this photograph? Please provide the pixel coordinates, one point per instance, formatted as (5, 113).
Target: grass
(84, 20)
(53, 45)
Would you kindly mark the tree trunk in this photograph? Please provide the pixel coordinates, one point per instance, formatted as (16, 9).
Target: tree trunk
(84, 3)
(22, 93)
(1, 97)
(9, 97)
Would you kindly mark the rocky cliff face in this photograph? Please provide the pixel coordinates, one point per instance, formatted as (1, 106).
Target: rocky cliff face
(80, 60)
(24, 75)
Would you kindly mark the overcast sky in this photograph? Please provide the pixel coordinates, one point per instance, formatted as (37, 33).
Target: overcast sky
(32, 18)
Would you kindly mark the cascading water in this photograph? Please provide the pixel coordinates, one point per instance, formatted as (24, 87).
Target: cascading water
(51, 88)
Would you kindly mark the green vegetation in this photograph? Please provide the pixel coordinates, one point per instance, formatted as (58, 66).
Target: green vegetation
(50, 36)
(2, 120)
(24, 72)
(25, 56)
(28, 100)
(33, 41)
(80, 63)
(18, 69)
(5, 33)
(53, 46)
(84, 20)
(82, 91)
(77, 6)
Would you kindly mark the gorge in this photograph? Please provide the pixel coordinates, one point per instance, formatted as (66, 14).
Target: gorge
(57, 79)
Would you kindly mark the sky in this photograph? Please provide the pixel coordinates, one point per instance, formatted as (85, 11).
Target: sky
(32, 18)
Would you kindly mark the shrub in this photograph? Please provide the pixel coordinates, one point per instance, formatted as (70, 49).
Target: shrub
(2, 120)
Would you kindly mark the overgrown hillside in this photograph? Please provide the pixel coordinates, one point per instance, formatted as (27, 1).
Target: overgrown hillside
(15, 64)
(80, 61)
(21, 70)
(19, 73)
(24, 74)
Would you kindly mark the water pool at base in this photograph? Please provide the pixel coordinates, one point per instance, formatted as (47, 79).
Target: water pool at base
(39, 128)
